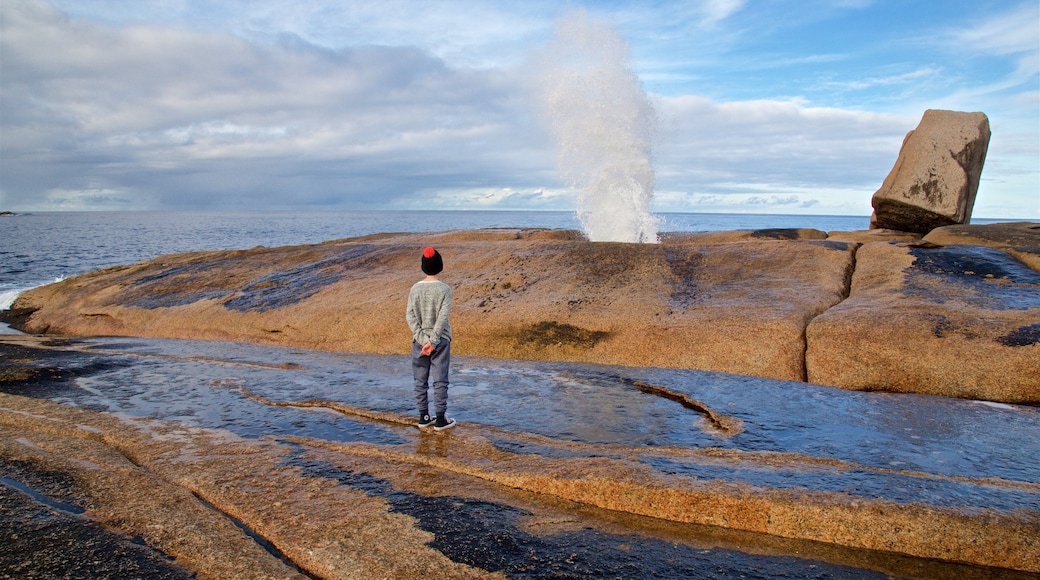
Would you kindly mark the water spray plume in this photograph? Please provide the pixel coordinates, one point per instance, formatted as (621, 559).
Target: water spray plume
(604, 125)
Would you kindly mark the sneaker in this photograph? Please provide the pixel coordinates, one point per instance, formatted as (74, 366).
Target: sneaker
(443, 423)
(424, 421)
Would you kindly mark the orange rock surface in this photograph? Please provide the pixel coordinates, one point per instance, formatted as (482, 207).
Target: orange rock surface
(785, 304)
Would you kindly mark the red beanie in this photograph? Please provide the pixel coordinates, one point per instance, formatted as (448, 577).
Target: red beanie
(432, 264)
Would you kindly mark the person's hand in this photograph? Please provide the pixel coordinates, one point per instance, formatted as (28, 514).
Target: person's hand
(427, 349)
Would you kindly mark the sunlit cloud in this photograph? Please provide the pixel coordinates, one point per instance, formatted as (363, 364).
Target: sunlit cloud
(264, 104)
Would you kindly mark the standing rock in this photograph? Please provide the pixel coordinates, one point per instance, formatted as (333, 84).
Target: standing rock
(936, 175)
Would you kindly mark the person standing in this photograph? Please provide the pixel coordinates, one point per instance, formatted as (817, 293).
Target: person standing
(429, 304)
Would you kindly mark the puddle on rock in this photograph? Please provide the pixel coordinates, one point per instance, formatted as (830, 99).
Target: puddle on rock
(491, 536)
(932, 451)
(204, 384)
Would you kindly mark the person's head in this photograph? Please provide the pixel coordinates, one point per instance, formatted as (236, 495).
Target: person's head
(432, 264)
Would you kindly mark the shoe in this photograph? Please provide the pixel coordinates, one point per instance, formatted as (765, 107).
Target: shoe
(425, 421)
(443, 423)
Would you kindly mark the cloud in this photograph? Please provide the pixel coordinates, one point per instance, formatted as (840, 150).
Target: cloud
(470, 34)
(915, 76)
(110, 104)
(113, 199)
(715, 11)
(1012, 37)
(772, 200)
(504, 198)
(181, 118)
(775, 142)
(1011, 32)
(209, 119)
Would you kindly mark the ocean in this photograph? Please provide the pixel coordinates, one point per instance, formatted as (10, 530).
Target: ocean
(42, 247)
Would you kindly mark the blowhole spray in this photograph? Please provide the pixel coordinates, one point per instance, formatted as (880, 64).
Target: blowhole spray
(604, 125)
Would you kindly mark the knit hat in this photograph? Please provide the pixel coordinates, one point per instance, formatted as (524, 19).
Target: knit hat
(432, 264)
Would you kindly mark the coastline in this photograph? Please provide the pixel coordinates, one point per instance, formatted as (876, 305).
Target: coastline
(846, 309)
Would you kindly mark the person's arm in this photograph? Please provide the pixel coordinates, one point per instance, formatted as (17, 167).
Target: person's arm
(411, 315)
(443, 312)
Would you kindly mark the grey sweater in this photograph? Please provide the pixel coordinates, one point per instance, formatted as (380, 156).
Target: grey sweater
(429, 304)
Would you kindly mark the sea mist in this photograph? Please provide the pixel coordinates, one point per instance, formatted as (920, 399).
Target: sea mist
(604, 125)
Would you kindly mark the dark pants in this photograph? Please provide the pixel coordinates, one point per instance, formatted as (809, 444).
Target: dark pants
(435, 367)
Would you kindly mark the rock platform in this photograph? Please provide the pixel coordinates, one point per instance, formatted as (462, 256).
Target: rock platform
(247, 461)
(954, 313)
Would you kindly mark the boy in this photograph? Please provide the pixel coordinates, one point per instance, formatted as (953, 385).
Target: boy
(429, 303)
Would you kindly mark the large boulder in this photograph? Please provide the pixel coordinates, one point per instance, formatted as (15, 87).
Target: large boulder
(960, 321)
(936, 175)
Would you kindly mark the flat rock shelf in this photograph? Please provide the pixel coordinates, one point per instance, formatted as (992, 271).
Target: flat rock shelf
(237, 460)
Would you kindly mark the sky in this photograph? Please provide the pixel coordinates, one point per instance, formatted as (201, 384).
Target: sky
(767, 106)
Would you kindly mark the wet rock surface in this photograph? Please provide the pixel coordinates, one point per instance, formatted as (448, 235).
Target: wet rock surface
(876, 310)
(289, 462)
(955, 320)
(1021, 240)
(738, 306)
(43, 542)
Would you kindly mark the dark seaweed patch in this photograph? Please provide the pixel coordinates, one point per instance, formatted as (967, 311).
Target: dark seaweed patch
(551, 333)
(42, 542)
(44, 373)
(287, 287)
(992, 278)
(187, 270)
(1022, 336)
(52, 488)
(488, 536)
(180, 285)
(175, 298)
(684, 267)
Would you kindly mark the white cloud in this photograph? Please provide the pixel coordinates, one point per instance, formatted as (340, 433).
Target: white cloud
(1013, 32)
(208, 116)
(93, 199)
(717, 10)
(501, 198)
(772, 200)
(470, 34)
(775, 141)
(923, 74)
(274, 104)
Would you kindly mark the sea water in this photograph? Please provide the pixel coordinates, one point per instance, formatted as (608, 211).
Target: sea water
(42, 247)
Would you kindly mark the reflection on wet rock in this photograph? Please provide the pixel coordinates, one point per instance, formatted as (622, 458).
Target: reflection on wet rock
(243, 461)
